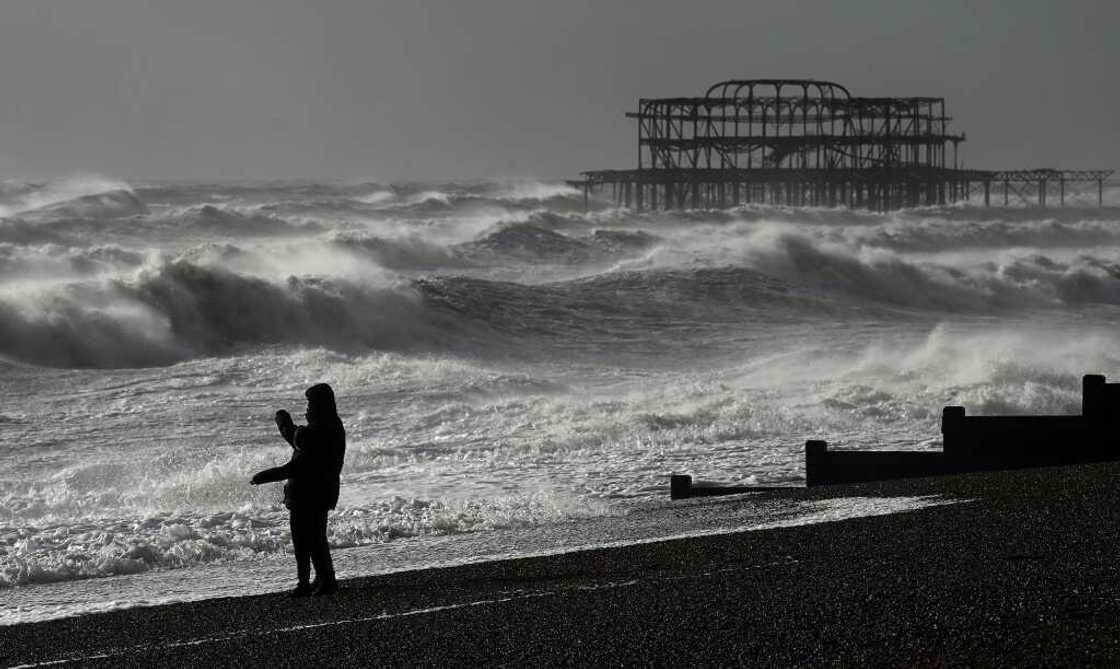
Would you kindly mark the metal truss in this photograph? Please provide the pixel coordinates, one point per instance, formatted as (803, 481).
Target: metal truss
(801, 141)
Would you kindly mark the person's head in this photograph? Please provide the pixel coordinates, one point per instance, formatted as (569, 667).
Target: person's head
(320, 402)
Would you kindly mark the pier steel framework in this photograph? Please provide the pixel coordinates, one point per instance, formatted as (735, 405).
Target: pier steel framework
(804, 142)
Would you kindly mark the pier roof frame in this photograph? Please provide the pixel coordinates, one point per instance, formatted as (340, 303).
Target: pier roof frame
(777, 84)
(806, 141)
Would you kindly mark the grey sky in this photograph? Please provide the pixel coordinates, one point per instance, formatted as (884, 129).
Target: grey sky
(214, 89)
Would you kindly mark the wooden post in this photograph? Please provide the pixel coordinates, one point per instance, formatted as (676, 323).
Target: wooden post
(952, 420)
(1094, 402)
(680, 486)
(816, 451)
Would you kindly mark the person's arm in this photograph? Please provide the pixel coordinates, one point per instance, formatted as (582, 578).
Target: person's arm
(270, 475)
(287, 427)
(284, 471)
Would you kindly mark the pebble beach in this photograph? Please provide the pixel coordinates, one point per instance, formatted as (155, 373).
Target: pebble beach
(1015, 568)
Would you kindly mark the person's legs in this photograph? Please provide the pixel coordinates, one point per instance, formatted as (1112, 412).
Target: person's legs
(302, 539)
(321, 554)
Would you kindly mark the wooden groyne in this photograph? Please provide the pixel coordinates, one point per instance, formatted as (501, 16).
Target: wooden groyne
(970, 444)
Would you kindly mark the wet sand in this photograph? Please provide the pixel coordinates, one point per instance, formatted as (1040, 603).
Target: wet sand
(1025, 573)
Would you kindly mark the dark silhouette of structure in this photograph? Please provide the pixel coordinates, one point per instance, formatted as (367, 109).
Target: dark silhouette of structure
(971, 444)
(985, 443)
(804, 142)
(312, 486)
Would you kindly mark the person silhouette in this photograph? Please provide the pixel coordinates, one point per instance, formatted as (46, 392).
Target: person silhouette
(311, 488)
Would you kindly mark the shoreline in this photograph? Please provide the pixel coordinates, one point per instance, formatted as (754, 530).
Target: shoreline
(1024, 572)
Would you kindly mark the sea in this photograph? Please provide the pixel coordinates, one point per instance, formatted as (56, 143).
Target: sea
(519, 372)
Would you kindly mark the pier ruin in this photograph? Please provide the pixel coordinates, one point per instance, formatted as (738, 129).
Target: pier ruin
(804, 142)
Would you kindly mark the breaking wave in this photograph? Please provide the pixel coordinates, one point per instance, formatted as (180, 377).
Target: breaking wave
(81, 546)
(171, 310)
(81, 197)
(54, 261)
(222, 221)
(931, 235)
(550, 238)
(176, 310)
(1014, 281)
(409, 252)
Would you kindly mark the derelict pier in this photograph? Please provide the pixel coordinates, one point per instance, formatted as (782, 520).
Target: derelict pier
(803, 142)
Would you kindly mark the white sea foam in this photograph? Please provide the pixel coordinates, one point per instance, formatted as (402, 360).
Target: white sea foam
(68, 546)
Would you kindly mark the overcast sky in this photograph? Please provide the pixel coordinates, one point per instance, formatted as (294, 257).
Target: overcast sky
(342, 89)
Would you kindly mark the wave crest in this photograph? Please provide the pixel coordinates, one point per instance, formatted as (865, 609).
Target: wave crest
(177, 309)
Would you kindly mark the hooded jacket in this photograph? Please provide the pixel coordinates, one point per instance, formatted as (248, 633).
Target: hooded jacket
(319, 449)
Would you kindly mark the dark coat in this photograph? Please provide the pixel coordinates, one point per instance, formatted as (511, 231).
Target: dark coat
(312, 474)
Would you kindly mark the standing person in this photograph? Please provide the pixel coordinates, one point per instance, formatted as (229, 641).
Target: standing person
(311, 489)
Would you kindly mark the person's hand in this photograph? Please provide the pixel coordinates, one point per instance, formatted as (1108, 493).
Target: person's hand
(283, 418)
(256, 480)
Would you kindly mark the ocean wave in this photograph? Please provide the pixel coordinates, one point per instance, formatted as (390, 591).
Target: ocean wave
(176, 309)
(55, 261)
(16, 231)
(1015, 281)
(410, 252)
(527, 241)
(554, 238)
(212, 219)
(618, 241)
(988, 369)
(252, 193)
(195, 305)
(624, 307)
(940, 235)
(527, 189)
(75, 197)
(111, 204)
(464, 197)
